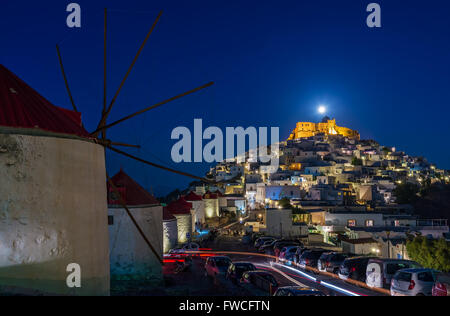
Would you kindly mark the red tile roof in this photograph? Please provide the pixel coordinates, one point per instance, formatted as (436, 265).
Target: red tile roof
(167, 216)
(180, 207)
(193, 197)
(22, 107)
(131, 191)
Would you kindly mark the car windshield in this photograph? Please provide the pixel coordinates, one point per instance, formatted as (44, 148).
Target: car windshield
(222, 262)
(337, 257)
(403, 276)
(245, 267)
(391, 268)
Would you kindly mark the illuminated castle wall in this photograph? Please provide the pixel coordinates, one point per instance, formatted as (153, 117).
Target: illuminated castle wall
(327, 126)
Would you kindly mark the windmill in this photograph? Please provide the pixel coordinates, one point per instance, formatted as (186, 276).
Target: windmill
(100, 133)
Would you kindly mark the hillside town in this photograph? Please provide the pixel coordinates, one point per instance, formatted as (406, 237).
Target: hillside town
(331, 187)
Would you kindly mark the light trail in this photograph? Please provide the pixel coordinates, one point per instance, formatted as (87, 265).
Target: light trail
(300, 274)
(284, 274)
(306, 275)
(341, 290)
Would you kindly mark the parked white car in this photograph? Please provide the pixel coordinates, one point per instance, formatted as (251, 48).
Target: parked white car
(413, 282)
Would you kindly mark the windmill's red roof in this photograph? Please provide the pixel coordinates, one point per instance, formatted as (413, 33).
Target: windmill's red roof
(131, 191)
(180, 207)
(210, 196)
(22, 107)
(167, 216)
(193, 197)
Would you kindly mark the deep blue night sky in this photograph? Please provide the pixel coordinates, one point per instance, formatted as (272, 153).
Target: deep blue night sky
(273, 62)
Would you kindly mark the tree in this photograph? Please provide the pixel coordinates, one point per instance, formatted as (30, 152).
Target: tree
(430, 253)
(406, 193)
(357, 162)
(285, 203)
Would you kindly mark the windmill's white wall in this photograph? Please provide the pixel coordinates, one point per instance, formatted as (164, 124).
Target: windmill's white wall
(170, 231)
(184, 225)
(53, 207)
(130, 256)
(211, 208)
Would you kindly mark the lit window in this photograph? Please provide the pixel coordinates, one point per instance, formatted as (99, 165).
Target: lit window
(369, 223)
(351, 223)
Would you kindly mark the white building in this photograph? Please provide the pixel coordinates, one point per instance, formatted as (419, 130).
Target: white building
(183, 211)
(130, 256)
(170, 231)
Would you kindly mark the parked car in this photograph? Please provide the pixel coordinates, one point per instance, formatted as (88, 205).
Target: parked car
(331, 261)
(309, 258)
(261, 279)
(354, 268)
(281, 244)
(413, 282)
(267, 246)
(236, 269)
(216, 266)
(442, 285)
(261, 240)
(298, 253)
(380, 271)
(287, 253)
(192, 246)
(297, 291)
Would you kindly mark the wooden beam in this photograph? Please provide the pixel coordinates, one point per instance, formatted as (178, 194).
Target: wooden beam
(65, 78)
(141, 232)
(101, 129)
(108, 110)
(160, 166)
(107, 142)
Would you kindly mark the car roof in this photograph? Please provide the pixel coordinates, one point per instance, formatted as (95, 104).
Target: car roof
(258, 272)
(300, 289)
(219, 257)
(242, 263)
(360, 258)
(416, 270)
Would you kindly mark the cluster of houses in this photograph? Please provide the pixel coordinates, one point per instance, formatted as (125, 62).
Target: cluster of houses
(340, 187)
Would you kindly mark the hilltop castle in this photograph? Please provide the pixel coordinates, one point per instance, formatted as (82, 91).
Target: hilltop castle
(327, 126)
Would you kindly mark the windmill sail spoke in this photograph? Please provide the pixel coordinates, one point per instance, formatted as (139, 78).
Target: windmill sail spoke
(123, 204)
(160, 166)
(107, 142)
(151, 108)
(108, 110)
(65, 78)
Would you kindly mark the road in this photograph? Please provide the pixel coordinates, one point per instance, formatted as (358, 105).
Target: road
(197, 284)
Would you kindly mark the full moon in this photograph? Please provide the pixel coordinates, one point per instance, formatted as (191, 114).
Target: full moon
(322, 109)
